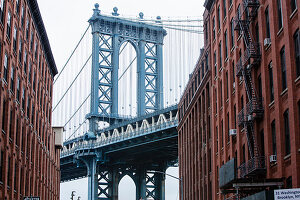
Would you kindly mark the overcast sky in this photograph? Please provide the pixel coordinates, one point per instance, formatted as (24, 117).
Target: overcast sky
(65, 22)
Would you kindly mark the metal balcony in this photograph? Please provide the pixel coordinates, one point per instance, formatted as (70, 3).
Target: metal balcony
(252, 51)
(255, 166)
(253, 4)
(242, 117)
(239, 67)
(254, 106)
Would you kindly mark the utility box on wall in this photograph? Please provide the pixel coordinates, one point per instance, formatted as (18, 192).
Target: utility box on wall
(58, 133)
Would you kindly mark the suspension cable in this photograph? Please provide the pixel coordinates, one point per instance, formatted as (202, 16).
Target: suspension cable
(77, 109)
(76, 129)
(127, 68)
(71, 55)
(85, 64)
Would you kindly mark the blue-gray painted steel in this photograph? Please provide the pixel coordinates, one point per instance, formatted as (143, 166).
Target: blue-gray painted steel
(109, 33)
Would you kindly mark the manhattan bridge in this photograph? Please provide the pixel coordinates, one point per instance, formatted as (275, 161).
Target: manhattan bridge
(117, 96)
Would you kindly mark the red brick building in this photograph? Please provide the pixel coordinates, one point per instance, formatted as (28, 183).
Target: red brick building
(245, 134)
(29, 160)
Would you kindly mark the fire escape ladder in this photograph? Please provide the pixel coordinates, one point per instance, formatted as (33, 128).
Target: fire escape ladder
(251, 57)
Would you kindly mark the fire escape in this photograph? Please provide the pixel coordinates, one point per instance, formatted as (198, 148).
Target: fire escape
(253, 109)
(249, 179)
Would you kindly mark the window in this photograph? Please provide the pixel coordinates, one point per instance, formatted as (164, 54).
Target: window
(293, 5)
(18, 89)
(271, 82)
(22, 16)
(297, 52)
(8, 30)
(283, 68)
(34, 82)
(230, 3)
(214, 28)
(28, 107)
(273, 131)
(11, 123)
(12, 79)
(239, 16)
(8, 172)
(20, 51)
(234, 113)
(227, 96)
(233, 75)
(219, 18)
(23, 98)
(202, 68)
(2, 11)
(27, 29)
(215, 62)
(279, 10)
(217, 138)
(25, 62)
(1, 165)
(287, 132)
(17, 6)
(232, 33)
(32, 41)
(35, 51)
(243, 154)
(29, 72)
(15, 40)
(17, 131)
(259, 87)
(5, 67)
(206, 31)
(216, 100)
(226, 45)
(228, 127)
(15, 177)
(221, 94)
(268, 34)
(220, 54)
(224, 8)
(4, 114)
(206, 62)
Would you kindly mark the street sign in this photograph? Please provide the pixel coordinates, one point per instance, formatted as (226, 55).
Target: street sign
(31, 198)
(287, 194)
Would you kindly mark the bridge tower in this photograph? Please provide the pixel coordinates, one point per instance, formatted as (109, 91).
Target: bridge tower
(109, 33)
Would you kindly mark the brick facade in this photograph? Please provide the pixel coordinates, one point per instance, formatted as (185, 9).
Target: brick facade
(204, 143)
(29, 161)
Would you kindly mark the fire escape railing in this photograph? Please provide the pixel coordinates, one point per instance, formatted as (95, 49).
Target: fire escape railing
(254, 109)
(252, 166)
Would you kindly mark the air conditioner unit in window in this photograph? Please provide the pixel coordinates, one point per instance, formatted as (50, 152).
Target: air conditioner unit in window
(233, 85)
(250, 117)
(232, 132)
(273, 158)
(267, 42)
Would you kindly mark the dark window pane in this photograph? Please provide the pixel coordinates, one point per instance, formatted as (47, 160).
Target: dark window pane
(287, 132)
(271, 82)
(293, 5)
(297, 52)
(283, 68)
(279, 10)
(273, 130)
(267, 23)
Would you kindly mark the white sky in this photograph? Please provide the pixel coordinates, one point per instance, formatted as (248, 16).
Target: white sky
(65, 22)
